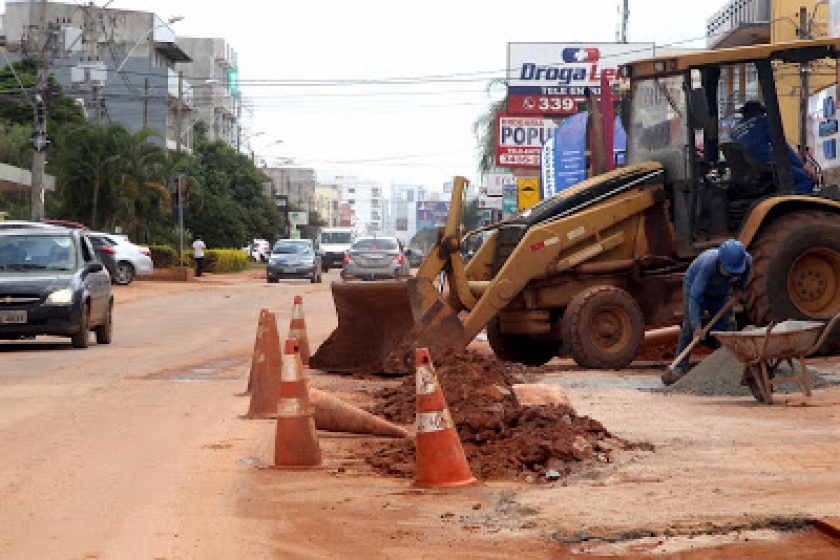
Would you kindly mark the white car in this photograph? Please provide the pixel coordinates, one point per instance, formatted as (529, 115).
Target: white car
(259, 250)
(132, 260)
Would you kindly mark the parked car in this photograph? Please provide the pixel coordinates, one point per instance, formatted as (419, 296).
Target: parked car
(258, 250)
(52, 284)
(131, 260)
(375, 257)
(104, 248)
(293, 258)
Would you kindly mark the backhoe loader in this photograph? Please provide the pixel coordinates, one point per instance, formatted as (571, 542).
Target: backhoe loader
(587, 270)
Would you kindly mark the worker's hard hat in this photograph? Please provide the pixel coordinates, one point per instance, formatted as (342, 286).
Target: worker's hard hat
(733, 256)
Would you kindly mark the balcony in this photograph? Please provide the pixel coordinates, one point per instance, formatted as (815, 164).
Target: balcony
(739, 23)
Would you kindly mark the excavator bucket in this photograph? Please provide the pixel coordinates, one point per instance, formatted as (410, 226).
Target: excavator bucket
(381, 323)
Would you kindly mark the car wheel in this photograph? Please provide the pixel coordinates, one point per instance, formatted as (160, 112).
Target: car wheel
(104, 331)
(125, 273)
(80, 339)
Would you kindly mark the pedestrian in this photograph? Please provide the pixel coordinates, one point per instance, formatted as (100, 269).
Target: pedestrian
(753, 131)
(198, 254)
(710, 281)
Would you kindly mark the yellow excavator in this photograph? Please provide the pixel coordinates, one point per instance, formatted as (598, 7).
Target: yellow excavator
(587, 270)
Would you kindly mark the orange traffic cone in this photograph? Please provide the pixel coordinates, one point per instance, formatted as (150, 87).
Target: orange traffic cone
(258, 344)
(334, 415)
(440, 461)
(296, 442)
(297, 330)
(266, 379)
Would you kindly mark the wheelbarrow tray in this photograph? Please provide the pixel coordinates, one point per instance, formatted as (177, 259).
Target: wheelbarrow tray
(787, 339)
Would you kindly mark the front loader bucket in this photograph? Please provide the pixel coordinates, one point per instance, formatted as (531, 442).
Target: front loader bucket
(381, 323)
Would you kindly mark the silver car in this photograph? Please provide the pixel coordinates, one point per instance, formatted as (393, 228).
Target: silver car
(375, 257)
(131, 259)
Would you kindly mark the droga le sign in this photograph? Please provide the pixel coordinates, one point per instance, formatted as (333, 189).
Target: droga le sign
(520, 140)
(550, 78)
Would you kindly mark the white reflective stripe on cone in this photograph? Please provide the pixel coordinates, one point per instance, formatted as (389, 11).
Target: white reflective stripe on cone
(289, 370)
(434, 421)
(292, 408)
(426, 382)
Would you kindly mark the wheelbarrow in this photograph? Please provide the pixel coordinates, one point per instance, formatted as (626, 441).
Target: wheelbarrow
(763, 350)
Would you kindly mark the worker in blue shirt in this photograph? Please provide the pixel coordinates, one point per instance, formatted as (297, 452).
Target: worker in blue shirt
(710, 281)
(753, 131)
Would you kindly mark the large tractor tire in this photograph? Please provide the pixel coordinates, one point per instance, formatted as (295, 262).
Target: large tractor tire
(520, 348)
(796, 270)
(603, 327)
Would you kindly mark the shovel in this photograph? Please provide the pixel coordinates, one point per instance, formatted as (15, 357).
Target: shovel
(705, 330)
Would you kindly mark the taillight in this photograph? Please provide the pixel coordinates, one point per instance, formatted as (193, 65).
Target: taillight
(399, 259)
(107, 250)
(146, 252)
(347, 259)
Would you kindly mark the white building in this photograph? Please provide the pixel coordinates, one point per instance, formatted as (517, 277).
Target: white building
(368, 205)
(403, 219)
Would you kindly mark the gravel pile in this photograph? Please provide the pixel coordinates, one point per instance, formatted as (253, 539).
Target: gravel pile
(719, 375)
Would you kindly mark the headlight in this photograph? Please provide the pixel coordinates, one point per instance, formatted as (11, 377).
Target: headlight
(63, 296)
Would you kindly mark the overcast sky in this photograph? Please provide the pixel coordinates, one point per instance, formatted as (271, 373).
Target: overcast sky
(418, 133)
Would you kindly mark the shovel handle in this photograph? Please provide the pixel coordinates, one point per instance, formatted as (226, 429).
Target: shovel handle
(705, 330)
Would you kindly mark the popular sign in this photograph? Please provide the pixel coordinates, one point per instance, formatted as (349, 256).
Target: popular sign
(551, 78)
(520, 140)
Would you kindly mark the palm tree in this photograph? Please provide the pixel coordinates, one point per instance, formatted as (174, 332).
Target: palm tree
(484, 129)
(141, 186)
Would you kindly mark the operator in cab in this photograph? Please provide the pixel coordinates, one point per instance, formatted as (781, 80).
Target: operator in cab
(753, 131)
(710, 281)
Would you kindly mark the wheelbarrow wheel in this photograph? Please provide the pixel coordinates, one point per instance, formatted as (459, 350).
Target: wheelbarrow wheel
(753, 383)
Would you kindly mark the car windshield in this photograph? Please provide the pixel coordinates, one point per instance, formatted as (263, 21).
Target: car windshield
(336, 237)
(286, 248)
(377, 244)
(36, 252)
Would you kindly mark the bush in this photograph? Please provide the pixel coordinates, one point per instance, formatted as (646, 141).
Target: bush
(225, 260)
(164, 256)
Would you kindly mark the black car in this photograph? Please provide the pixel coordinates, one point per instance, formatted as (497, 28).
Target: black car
(293, 258)
(52, 284)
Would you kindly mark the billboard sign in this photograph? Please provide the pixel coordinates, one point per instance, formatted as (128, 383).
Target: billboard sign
(431, 214)
(298, 218)
(520, 140)
(510, 200)
(495, 182)
(551, 78)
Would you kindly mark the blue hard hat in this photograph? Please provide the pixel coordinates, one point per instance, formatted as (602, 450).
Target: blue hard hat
(733, 256)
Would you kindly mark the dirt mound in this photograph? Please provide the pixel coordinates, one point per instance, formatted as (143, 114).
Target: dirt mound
(501, 438)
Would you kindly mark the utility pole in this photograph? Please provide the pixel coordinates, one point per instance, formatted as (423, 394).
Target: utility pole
(178, 127)
(625, 14)
(146, 103)
(804, 85)
(38, 44)
(92, 36)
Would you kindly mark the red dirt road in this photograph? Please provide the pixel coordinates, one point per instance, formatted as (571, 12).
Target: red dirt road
(137, 450)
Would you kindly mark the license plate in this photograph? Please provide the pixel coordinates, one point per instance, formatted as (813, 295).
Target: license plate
(289, 270)
(8, 317)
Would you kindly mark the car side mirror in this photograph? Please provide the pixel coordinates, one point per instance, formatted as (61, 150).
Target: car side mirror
(92, 267)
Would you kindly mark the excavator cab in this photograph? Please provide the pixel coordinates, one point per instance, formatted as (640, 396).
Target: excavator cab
(682, 112)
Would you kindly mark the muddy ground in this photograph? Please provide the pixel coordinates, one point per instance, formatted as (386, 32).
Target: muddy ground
(138, 450)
